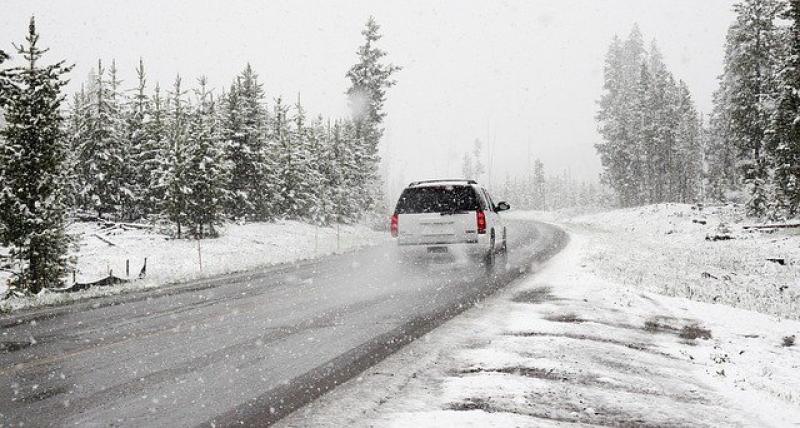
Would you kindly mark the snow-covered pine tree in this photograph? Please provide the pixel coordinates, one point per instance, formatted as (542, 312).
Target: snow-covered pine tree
(645, 124)
(720, 153)
(206, 171)
(244, 125)
(173, 161)
(612, 124)
(784, 141)
(643, 129)
(688, 166)
(33, 150)
(239, 204)
(752, 62)
(100, 156)
(126, 170)
(369, 80)
(344, 174)
(286, 163)
(661, 103)
(635, 116)
(539, 190)
(149, 153)
(322, 162)
(75, 132)
(139, 154)
(304, 180)
(620, 118)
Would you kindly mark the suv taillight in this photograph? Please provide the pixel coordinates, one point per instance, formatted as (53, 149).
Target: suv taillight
(481, 217)
(394, 228)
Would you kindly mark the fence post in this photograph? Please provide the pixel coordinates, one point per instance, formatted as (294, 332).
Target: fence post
(199, 255)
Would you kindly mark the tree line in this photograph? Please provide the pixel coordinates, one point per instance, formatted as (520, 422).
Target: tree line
(540, 191)
(187, 156)
(651, 148)
(655, 149)
(753, 135)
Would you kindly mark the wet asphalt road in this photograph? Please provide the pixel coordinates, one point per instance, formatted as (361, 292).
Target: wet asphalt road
(246, 348)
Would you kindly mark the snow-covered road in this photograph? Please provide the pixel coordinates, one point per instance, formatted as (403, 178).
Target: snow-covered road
(566, 347)
(237, 348)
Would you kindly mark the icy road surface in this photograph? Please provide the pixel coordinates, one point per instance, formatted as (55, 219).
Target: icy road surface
(246, 348)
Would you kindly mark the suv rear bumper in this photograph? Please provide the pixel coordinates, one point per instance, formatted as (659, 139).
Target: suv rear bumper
(469, 249)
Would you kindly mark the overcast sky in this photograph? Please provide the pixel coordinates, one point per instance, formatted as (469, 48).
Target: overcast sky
(524, 74)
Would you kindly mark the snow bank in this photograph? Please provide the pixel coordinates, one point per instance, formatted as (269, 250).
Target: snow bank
(664, 248)
(240, 247)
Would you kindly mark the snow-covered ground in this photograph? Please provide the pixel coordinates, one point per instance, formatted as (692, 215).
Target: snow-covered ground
(663, 248)
(576, 344)
(240, 247)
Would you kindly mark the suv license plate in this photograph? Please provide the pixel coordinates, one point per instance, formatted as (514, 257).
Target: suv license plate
(437, 250)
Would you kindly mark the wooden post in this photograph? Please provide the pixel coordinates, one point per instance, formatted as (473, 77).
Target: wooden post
(127, 268)
(316, 239)
(337, 237)
(199, 256)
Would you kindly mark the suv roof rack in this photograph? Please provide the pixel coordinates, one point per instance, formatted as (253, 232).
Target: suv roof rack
(416, 183)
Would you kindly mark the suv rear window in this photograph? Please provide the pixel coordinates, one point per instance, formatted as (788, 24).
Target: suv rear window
(437, 199)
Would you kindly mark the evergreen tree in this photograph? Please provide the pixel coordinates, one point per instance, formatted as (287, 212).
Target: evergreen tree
(784, 142)
(280, 141)
(618, 125)
(33, 150)
(141, 153)
(720, 154)
(206, 172)
(345, 172)
(369, 80)
(539, 189)
(751, 63)
(306, 177)
(244, 125)
(149, 155)
(322, 164)
(688, 167)
(174, 161)
(651, 142)
(100, 157)
(661, 152)
(122, 133)
(75, 132)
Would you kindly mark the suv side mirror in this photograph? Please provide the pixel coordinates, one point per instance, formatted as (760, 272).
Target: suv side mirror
(502, 206)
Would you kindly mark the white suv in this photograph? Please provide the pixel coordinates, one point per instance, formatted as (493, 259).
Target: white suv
(449, 216)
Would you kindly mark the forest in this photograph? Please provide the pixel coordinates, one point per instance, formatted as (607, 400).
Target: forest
(656, 148)
(186, 156)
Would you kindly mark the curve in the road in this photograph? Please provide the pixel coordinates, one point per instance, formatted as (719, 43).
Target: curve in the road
(247, 348)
